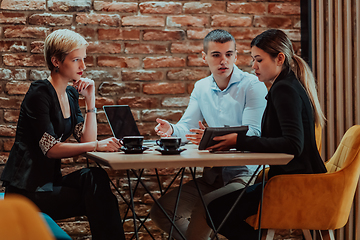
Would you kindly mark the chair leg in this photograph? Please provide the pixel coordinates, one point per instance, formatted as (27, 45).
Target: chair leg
(307, 234)
(270, 234)
(327, 234)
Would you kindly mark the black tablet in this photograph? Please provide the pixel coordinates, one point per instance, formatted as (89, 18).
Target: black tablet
(211, 132)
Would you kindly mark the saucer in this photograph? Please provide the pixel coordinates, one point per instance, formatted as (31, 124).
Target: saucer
(170, 152)
(133, 151)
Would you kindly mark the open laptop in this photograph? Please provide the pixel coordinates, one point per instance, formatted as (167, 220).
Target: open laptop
(122, 122)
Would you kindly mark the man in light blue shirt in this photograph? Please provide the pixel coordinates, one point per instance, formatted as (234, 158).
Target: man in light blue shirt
(228, 96)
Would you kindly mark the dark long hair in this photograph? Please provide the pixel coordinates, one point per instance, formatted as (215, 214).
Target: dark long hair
(273, 42)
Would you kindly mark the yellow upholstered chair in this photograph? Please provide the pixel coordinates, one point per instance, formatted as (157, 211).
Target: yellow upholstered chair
(20, 220)
(314, 201)
(318, 135)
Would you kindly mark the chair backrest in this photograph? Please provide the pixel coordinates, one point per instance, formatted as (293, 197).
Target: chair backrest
(20, 220)
(318, 132)
(347, 150)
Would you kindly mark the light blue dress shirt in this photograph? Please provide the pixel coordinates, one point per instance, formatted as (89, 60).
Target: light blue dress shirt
(242, 102)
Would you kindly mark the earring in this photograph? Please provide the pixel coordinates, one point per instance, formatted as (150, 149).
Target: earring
(56, 69)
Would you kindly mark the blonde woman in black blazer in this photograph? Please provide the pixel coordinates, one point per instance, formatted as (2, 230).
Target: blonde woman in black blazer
(49, 115)
(288, 126)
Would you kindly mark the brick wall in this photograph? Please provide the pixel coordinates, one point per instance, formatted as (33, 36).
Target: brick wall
(143, 54)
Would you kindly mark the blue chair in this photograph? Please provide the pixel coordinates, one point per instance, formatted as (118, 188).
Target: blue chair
(58, 233)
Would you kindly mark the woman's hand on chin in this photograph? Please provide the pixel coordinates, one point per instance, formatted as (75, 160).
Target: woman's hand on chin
(85, 87)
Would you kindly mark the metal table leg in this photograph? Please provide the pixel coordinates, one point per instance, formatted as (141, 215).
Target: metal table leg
(261, 201)
(236, 202)
(177, 202)
(132, 204)
(159, 205)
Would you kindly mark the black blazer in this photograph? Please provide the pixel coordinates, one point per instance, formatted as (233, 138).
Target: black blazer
(287, 127)
(40, 114)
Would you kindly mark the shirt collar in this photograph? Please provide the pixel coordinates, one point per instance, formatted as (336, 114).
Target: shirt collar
(236, 76)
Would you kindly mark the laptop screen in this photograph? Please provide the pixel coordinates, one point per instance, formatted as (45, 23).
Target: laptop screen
(121, 121)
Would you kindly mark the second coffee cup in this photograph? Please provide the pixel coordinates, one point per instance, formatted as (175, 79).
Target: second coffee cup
(132, 142)
(169, 143)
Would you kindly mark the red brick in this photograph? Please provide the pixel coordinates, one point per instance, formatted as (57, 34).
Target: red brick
(272, 22)
(293, 34)
(243, 60)
(76, 227)
(195, 61)
(297, 48)
(69, 5)
(164, 88)
(284, 8)
(243, 47)
(51, 19)
(98, 19)
(187, 74)
(107, 61)
(145, 48)
(187, 21)
(160, 7)
(87, 33)
(13, 46)
(23, 60)
(159, 62)
(37, 47)
(142, 75)
(200, 7)
(16, 87)
(119, 34)
(23, 5)
(231, 21)
(139, 102)
(115, 88)
(198, 33)
(104, 130)
(25, 32)
(38, 74)
(8, 143)
(100, 117)
(297, 22)
(163, 35)
(170, 115)
(175, 102)
(101, 101)
(7, 131)
(89, 61)
(247, 8)
(3, 158)
(104, 47)
(12, 18)
(11, 116)
(143, 21)
(190, 87)
(10, 103)
(136, 114)
(245, 34)
(102, 75)
(124, 7)
(187, 47)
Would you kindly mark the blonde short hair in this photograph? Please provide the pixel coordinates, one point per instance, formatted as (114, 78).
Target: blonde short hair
(60, 43)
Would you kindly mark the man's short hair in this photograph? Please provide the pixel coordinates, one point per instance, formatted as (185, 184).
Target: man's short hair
(60, 43)
(217, 35)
